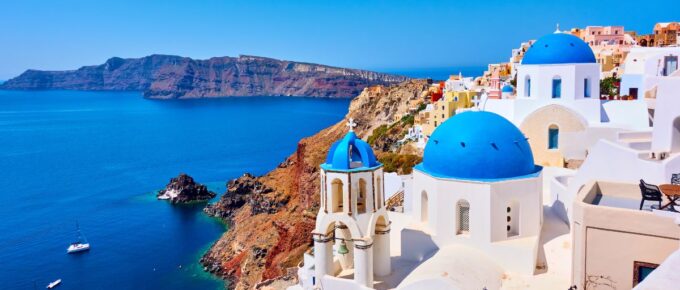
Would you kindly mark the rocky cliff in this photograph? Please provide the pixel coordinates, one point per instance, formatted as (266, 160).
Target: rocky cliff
(272, 216)
(183, 189)
(170, 77)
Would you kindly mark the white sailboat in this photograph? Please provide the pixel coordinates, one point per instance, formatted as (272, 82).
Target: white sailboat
(80, 245)
(54, 284)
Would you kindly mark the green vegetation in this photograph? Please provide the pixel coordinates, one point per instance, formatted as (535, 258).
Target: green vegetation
(408, 120)
(608, 86)
(400, 163)
(377, 133)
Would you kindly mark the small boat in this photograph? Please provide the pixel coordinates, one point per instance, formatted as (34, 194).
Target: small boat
(54, 284)
(80, 245)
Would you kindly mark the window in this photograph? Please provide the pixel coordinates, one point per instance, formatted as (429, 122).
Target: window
(527, 87)
(463, 217)
(557, 88)
(586, 88)
(423, 207)
(641, 270)
(670, 65)
(553, 137)
(361, 198)
(338, 197)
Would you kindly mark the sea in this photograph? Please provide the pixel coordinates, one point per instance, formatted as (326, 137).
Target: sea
(97, 159)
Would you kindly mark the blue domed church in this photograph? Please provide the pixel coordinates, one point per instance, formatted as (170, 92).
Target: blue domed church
(478, 186)
(558, 95)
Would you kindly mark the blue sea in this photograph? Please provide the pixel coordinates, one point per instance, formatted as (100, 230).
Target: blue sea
(97, 158)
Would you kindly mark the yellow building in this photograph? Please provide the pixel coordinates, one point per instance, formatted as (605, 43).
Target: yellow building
(446, 107)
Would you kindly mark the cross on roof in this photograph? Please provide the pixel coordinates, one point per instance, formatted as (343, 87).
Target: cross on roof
(351, 124)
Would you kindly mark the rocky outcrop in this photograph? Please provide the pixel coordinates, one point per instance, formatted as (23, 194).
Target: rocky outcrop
(246, 189)
(183, 189)
(172, 77)
(266, 244)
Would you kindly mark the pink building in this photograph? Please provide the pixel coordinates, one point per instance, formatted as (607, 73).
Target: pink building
(601, 35)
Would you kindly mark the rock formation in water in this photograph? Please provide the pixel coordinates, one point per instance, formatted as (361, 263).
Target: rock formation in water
(183, 189)
(272, 216)
(172, 77)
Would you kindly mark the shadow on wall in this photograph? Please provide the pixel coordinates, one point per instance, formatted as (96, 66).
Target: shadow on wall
(553, 227)
(417, 246)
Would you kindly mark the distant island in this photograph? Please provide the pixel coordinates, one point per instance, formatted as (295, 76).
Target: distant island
(176, 77)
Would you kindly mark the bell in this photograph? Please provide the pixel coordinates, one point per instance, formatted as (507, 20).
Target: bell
(342, 250)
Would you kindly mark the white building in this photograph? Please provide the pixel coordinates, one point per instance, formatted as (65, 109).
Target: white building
(652, 155)
(458, 83)
(558, 106)
(645, 66)
(478, 186)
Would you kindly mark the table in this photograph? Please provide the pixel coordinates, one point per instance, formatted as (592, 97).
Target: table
(672, 191)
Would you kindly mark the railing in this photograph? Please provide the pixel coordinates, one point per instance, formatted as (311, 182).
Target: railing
(395, 200)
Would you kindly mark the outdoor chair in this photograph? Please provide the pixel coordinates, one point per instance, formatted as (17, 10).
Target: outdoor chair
(675, 179)
(650, 192)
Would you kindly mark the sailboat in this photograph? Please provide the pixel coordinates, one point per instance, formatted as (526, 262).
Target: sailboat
(79, 245)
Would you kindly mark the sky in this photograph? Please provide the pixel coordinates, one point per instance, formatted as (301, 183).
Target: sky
(389, 35)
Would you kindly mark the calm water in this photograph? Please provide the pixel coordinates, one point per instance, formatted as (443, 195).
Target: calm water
(97, 158)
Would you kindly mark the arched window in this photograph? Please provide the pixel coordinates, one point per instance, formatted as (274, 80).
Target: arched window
(338, 196)
(527, 87)
(361, 198)
(556, 88)
(553, 137)
(424, 207)
(586, 88)
(463, 217)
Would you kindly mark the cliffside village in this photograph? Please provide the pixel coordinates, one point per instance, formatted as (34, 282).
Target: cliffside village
(559, 169)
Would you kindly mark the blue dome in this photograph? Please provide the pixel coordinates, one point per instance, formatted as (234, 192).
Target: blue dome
(478, 146)
(559, 48)
(350, 154)
(507, 89)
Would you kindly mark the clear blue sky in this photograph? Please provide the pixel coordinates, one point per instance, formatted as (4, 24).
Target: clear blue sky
(378, 35)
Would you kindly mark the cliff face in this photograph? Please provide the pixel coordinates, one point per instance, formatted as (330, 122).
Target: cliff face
(265, 244)
(169, 77)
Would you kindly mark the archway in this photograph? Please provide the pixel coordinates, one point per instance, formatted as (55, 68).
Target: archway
(337, 200)
(424, 207)
(361, 197)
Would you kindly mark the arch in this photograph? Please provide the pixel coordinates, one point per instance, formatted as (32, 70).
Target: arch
(643, 42)
(556, 87)
(361, 197)
(535, 128)
(328, 222)
(338, 196)
(527, 86)
(424, 207)
(463, 217)
(553, 136)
